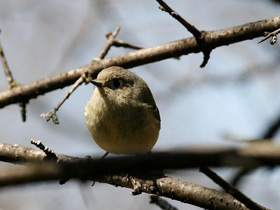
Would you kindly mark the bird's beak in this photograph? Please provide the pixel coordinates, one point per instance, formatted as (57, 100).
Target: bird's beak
(97, 84)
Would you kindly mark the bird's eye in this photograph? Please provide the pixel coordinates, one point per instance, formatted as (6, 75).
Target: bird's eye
(116, 83)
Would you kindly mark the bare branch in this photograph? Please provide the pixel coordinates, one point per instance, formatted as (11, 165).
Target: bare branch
(12, 82)
(83, 78)
(178, 48)
(7, 71)
(161, 186)
(199, 35)
(231, 190)
(191, 28)
(110, 40)
(52, 114)
(96, 169)
(71, 167)
(206, 57)
(255, 154)
(122, 43)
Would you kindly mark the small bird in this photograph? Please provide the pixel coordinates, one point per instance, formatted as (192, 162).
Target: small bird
(121, 114)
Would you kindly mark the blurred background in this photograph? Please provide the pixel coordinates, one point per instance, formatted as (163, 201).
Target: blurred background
(236, 94)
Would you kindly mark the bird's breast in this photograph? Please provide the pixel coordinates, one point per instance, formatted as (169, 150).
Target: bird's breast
(127, 128)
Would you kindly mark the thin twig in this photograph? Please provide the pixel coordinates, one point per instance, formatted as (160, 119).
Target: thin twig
(7, 71)
(52, 114)
(199, 35)
(206, 57)
(231, 190)
(161, 203)
(273, 36)
(110, 40)
(12, 82)
(191, 28)
(85, 77)
(122, 43)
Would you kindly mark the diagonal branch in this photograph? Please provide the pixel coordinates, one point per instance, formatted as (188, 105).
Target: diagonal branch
(110, 40)
(178, 48)
(83, 78)
(12, 82)
(199, 35)
(191, 28)
(7, 71)
(122, 43)
(231, 190)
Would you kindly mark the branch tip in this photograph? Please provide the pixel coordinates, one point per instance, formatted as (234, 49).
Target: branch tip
(22, 106)
(273, 36)
(198, 35)
(50, 115)
(206, 57)
(50, 154)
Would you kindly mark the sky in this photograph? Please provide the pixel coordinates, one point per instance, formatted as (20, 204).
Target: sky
(198, 107)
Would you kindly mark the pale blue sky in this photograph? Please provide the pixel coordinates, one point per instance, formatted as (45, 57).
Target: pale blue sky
(43, 38)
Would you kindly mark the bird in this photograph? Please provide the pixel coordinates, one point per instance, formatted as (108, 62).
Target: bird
(122, 115)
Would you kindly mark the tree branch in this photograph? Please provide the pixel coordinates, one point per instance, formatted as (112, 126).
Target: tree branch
(191, 28)
(231, 190)
(178, 48)
(83, 78)
(198, 35)
(72, 167)
(12, 82)
(255, 154)
(110, 40)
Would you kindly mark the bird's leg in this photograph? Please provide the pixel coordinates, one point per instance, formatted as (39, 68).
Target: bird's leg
(105, 155)
(135, 184)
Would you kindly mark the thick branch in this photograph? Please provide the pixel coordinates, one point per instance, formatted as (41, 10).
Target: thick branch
(256, 154)
(163, 186)
(178, 48)
(71, 167)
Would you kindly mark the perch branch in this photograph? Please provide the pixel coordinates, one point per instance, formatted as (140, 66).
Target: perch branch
(71, 167)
